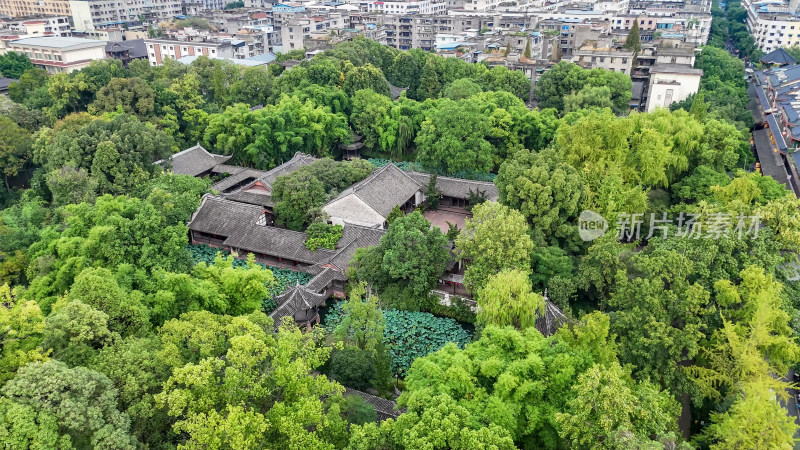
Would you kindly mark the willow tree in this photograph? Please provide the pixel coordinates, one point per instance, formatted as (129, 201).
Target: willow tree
(507, 299)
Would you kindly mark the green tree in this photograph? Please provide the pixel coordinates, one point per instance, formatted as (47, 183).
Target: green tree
(121, 149)
(253, 87)
(544, 188)
(589, 97)
(98, 288)
(495, 238)
(453, 138)
(432, 194)
(134, 95)
(633, 40)
(262, 391)
(14, 64)
(297, 197)
(507, 299)
(404, 70)
(429, 84)
(509, 381)
(411, 254)
(699, 107)
(24, 427)
(70, 186)
(290, 126)
(138, 373)
(610, 411)
(755, 420)
(461, 89)
(80, 403)
(371, 116)
(527, 52)
(565, 78)
(363, 324)
(21, 328)
(365, 77)
(352, 367)
(75, 332)
(15, 148)
(32, 89)
(240, 290)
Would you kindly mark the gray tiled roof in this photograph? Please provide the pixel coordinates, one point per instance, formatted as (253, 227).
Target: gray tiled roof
(266, 178)
(276, 242)
(778, 56)
(353, 238)
(552, 319)
(384, 189)
(237, 222)
(221, 217)
(457, 187)
(193, 161)
(225, 168)
(323, 279)
(298, 160)
(237, 178)
(297, 299)
(254, 198)
(300, 297)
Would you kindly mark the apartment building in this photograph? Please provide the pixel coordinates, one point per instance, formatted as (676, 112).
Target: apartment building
(481, 5)
(89, 15)
(41, 26)
(773, 25)
(34, 8)
(603, 54)
(59, 54)
(160, 49)
(404, 7)
(296, 31)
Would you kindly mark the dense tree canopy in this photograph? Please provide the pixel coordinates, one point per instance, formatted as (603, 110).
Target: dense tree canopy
(115, 332)
(554, 88)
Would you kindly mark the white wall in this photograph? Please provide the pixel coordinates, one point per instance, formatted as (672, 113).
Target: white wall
(85, 53)
(81, 15)
(666, 88)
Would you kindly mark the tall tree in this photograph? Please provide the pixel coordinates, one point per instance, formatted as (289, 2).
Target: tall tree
(453, 138)
(15, 148)
(610, 411)
(411, 254)
(263, 390)
(495, 238)
(507, 299)
(544, 188)
(134, 95)
(362, 326)
(633, 41)
(80, 402)
(14, 64)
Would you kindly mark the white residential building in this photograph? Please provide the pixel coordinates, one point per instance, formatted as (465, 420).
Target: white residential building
(44, 26)
(60, 54)
(160, 49)
(671, 83)
(91, 14)
(773, 25)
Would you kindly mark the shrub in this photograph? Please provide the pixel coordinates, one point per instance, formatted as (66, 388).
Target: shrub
(322, 235)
